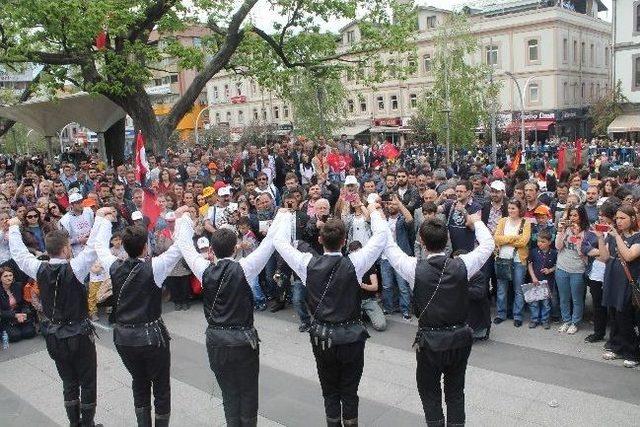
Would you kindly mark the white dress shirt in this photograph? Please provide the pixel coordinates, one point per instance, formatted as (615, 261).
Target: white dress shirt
(29, 264)
(161, 264)
(362, 260)
(405, 265)
(251, 265)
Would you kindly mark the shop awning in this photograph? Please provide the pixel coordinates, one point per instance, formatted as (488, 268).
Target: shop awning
(625, 123)
(530, 126)
(352, 131)
(385, 129)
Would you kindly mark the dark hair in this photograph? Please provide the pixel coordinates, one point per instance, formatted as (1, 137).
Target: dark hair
(429, 208)
(434, 235)
(583, 218)
(467, 184)
(223, 242)
(610, 207)
(333, 233)
(10, 270)
(354, 246)
(243, 220)
(544, 234)
(134, 238)
(55, 241)
(517, 203)
(631, 212)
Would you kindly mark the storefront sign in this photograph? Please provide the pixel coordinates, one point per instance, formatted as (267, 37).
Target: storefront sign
(240, 99)
(392, 121)
(535, 115)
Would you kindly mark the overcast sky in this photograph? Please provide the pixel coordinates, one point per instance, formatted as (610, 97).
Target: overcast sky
(264, 17)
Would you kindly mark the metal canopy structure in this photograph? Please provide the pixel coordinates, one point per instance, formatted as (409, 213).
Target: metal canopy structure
(50, 116)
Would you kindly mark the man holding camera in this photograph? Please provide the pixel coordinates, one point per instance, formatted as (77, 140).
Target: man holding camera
(316, 222)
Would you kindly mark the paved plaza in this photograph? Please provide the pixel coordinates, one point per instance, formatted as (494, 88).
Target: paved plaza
(521, 377)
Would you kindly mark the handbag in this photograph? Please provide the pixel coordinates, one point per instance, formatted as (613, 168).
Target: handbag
(635, 286)
(504, 266)
(533, 293)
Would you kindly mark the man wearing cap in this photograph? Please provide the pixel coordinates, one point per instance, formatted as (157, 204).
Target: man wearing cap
(140, 336)
(497, 208)
(77, 222)
(217, 214)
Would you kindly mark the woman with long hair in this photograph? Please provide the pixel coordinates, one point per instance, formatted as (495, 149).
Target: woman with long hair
(608, 187)
(512, 237)
(33, 231)
(620, 248)
(17, 317)
(165, 183)
(571, 267)
(307, 170)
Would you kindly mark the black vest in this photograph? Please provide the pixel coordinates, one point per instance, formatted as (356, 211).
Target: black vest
(64, 301)
(228, 305)
(137, 305)
(341, 302)
(443, 324)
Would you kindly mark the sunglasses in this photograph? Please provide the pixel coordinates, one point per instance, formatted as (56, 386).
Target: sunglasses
(32, 216)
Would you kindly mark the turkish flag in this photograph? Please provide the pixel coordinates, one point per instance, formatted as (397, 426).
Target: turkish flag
(389, 151)
(142, 167)
(516, 161)
(102, 40)
(150, 207)
(338, 162)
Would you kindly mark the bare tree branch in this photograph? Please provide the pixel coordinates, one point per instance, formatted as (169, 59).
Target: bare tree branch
(153, 13)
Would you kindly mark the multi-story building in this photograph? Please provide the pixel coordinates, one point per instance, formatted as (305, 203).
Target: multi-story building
(17, 81)
(562, 48)
(166, 86)
(626, 64)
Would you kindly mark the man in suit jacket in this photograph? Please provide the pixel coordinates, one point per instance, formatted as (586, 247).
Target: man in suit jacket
(361, 157)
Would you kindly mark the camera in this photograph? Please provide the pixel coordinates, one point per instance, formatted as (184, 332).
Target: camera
(386, 197)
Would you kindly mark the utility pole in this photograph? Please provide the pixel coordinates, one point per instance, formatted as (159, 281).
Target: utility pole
(493, 112)
(447, 107)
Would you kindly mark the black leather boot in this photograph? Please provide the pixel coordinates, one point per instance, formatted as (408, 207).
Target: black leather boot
(350, 423)
(73, 412)
(88, 413)
(334, 422)
(143, 416)
(162, 420)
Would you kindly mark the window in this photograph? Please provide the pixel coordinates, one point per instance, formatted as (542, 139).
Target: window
(239, 89)
(240, 117)
(426, 60)
(226, 91)
(491, 55)
(598, 90)
(431, 21)
(380, 100)
(413, 100)
(217, 118)
(606, 56)
(255, 114)
(394, 102)
(565, 92)
(285, 111)
(534, 93)
(575, 52)
(575, 92)
(348, 76)
(592, 55)
(582, 53)
(636, 73)
(228, 116)
(276, 112)
(215, 93)
(363, 106)
(532, 46)
(582, 91)
(350, 105)
(174, 78)
(351, 37)
(264, 114)
(565, 50)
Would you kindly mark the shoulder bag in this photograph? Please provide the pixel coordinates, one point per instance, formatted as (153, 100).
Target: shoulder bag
(635, 286)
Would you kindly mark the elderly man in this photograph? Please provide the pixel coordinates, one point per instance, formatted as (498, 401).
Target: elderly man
(316, 222)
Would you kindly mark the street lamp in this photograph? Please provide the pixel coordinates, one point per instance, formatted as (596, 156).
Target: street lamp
(198, 119)
(521, 93)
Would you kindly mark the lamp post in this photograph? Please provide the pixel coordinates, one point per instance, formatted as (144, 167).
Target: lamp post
(198, 119)
(521, 93)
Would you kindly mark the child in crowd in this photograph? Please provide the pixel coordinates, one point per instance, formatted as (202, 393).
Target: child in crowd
(117, 249)
(247, 243)
(97, 275)
(542, 265)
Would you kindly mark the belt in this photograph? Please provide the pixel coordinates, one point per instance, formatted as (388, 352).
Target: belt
(441, 328)
(140, 325)
(338, 324)
(231, 327)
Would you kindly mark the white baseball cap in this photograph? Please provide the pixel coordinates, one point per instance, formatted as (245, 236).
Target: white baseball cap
(136, 215)
(351, 180)
(224, 191)
(75, 197)
(202, 243)
(498, 185)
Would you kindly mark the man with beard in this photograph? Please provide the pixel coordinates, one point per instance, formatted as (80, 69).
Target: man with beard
(591, 204)
(407, 193)
(124, 206)
(217, 214)
(455, 212)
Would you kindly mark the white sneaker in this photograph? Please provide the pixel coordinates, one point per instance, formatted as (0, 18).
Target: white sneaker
(630, 363)
(572, 329)
(564, 327)
(610, 355)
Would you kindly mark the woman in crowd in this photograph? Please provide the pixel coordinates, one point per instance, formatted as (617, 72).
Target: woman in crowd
(512, 243)
(33, 231)
(571, 267)
(16, 315)
(306, 169)
(608, 187)
(166, 183)
(356, 219)
(621, 246)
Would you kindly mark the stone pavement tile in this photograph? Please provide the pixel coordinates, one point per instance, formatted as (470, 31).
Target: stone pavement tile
(15, 411)
(22, 377)
(483, 417)
(497, 401)
(398, 418)
(383, 392)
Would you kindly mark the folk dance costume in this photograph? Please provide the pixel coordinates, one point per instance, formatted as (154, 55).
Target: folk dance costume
(231, 339)
(337, 333)
(441, 303)
(68, 333)
(140, 336)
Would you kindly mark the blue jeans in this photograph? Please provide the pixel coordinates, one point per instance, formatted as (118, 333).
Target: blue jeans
(298, 296)
(540, 311)
(258, 296)
(571, 289)
(519, 271)
(391, 279)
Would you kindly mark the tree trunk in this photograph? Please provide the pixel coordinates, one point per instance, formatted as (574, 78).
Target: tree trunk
(114, 143)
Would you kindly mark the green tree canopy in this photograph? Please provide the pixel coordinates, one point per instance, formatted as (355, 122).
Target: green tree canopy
(61, 33)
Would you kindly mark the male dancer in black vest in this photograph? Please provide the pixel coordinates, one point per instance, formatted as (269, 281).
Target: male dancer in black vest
(66, 327)
(441, 304)
(333, 297)
(140, 336)
(232, 341)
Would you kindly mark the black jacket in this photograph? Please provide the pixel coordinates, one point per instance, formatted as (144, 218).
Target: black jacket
(486, 210)
(8, 314)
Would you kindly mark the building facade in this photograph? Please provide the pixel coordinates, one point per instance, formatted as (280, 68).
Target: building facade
(561, 47)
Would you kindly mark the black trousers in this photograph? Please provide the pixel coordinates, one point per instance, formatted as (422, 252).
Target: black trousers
(600, 313)
(623, 339)
(236, 370)
(180, 289)
(21, 331)
(340, 369)
(75, 359)
(432, 365)
(149, 365)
